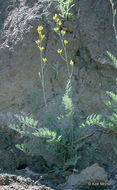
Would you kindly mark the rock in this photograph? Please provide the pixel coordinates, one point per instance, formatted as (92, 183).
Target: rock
(92, 174)
(10, 157)
(13, 182)
(37, 164)
(99, 147)
(4, 179)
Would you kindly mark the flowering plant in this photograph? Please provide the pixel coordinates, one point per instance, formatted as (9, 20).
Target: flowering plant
(64, 7)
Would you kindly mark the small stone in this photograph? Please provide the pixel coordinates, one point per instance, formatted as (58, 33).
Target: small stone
(91, 174)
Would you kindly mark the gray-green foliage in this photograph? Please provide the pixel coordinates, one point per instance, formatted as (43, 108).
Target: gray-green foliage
(37, 136)
(109, 122)
(112, 58)
(112, 103)
(67, 101)
(64, 7)
(70, 132)
(93, 120)
(59, 141)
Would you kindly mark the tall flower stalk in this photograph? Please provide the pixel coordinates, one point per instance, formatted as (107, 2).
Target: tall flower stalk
(43, 61)
(114, 14)
(61, 33)
(66, 100)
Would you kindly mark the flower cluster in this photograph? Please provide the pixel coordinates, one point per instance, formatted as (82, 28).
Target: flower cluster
(41, 48)
(41, 37)
(61, 34)
(58, 24)
(57, 20)
(64, 7)
(114, 10)
(43, 60)
(39, 41)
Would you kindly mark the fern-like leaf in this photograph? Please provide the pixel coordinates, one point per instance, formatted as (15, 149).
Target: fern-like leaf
(114, 59)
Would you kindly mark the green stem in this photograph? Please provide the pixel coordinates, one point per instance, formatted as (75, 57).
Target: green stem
(66, 58)
(114, 21)
(65, 53)
(43, 79)
(72, 135)
(114, 26)
(63, 58)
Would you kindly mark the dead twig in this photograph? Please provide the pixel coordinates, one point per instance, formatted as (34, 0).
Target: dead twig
(109, 132)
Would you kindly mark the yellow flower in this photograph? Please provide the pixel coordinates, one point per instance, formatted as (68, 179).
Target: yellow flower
(56, 29)
(59, 23)
(41, 48)
(115, 11)
(39, 74)
(65, 42)
(63, 32)
(57, 20)
(112, 4)
(44, 60)
(39, 32)
(59, 51)
(71, 63)
(37, 42)
(55, 17)
(39, 28)
(42, 36)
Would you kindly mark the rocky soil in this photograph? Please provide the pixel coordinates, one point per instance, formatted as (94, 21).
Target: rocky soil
(93, 177)
(13, 182)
